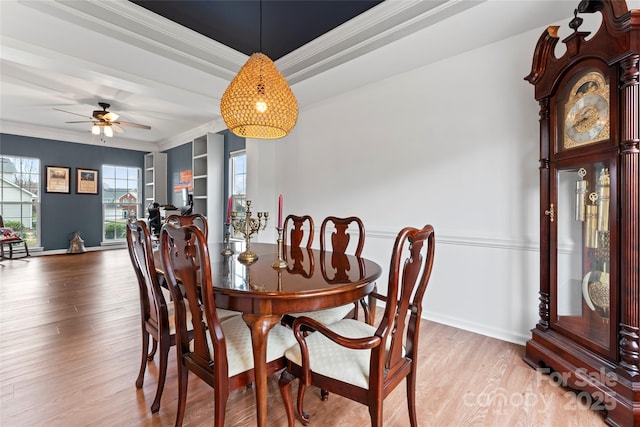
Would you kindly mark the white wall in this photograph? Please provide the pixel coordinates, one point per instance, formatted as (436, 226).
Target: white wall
(454, 144)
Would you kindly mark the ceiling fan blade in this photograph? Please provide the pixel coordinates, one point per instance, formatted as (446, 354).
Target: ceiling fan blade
(75, 114)
(117, 128)
(82, 121)
(110, 117)
(135, 125)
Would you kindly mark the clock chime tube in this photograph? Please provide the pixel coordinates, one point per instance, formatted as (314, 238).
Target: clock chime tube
(591, 227)
(603, 187)
(581, 199)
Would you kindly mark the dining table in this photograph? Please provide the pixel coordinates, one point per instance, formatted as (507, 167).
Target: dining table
(311, 280)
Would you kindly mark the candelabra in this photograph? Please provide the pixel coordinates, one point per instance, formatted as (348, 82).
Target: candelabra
(280, 262)
(227, 248)
(248, 226)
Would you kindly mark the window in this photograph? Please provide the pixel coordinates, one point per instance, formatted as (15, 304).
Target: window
(238, 179)
(121, 200)
(20, 196)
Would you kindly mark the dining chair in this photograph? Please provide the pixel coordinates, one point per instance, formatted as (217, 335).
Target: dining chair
(339, 244)
(221, 352)
(357, 360)
(156, 309)
(201, 222)
(11, 241)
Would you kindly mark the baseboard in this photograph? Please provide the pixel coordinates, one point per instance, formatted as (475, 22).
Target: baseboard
(485, 330)
(89, 249)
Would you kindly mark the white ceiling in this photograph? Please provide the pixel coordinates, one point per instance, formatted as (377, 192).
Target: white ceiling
(73, 54)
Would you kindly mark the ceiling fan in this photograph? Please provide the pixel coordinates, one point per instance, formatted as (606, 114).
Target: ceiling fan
(105, 121)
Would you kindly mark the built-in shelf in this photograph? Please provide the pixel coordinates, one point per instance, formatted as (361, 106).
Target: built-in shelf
(155, 178)
(208, 177)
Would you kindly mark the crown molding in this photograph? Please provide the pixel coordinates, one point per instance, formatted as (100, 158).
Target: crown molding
(383, 24)
(43, 132)
(132, 24)
(380, 25)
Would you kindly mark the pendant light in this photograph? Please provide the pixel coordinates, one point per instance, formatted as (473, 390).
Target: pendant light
(258, 103)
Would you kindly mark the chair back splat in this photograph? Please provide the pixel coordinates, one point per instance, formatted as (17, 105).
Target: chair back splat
(298, 231)
(357, 360)
(196, 219)
(410, 270)
(341, 241)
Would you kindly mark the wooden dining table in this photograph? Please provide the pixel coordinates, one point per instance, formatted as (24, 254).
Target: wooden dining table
(312, 280)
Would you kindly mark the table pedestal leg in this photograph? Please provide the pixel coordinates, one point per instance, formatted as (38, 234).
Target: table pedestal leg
(260, 327)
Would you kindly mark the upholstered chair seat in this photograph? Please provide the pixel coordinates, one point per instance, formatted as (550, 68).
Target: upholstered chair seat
(335, 361)
(239, 348)
(328, 315)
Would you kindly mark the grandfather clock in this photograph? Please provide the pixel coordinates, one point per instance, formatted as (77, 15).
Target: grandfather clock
(588, 334)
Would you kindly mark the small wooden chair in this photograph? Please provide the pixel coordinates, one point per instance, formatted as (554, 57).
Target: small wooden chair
(357, 360)
(221, 352)
(156, 311)
(11, 241)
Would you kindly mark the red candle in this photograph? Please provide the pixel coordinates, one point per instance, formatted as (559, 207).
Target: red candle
(229, 210)
(280, 211)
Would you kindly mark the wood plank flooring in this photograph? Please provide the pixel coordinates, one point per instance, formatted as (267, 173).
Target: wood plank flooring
(70, 348)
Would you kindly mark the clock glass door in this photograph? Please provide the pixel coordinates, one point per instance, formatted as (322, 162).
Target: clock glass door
(583, 282)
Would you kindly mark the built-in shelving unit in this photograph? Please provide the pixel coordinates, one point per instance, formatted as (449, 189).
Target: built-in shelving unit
(208, 177)
(155, 178)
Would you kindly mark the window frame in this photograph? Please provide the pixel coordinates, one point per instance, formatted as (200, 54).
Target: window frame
(238, 199)
(33, 241)
(111, 189)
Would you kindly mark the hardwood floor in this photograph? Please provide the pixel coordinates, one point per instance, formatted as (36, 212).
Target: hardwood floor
(70, 349)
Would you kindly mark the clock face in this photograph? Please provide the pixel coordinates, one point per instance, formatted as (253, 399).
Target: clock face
(586, 111)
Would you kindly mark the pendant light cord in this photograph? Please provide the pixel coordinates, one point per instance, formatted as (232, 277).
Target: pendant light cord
(261, 26)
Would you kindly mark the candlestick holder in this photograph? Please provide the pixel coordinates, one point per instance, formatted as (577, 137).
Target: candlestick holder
(280, 262)
(227, 251)
(247, 227)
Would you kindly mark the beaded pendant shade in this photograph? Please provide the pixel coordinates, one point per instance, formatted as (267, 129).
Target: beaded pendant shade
(258, 103)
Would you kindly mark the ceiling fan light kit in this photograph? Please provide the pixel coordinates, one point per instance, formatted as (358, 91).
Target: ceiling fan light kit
(105, 121)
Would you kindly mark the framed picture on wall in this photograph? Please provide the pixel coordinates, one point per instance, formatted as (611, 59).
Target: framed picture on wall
(86, 181)
(57, 179)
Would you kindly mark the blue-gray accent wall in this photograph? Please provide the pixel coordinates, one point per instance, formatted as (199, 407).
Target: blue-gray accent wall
(63, 214)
